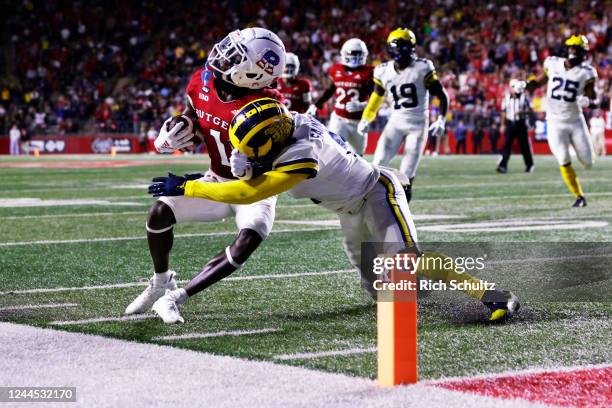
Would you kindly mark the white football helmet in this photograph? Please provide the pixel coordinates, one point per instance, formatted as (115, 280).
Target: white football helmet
(250, 58)
(292, 65)
(354, 53)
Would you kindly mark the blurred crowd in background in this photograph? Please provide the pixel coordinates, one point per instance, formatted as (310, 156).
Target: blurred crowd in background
(122, 65)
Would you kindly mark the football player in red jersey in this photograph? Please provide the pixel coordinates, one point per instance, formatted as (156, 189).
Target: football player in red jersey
(296, 91)
(241, 68)
(352, 82)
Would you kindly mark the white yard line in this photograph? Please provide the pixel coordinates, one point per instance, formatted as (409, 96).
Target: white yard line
(55, 216)
(41, 306)
(30, 356)
(110, 239)
(514, 225)
(509, 197)
(320, 354)
(133, 284)
(223, 333)
(103, 319)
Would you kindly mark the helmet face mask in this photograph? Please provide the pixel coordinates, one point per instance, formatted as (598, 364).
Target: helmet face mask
(401, 51)
(575, 54)
(354, 53)
(250, 58)
(577, 48)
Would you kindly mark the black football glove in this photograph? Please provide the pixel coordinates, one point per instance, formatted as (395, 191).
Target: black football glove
(168, 186)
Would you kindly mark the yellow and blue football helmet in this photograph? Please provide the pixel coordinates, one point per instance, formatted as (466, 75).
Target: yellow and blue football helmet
(401, 44)
(260, 128)
(577, 48)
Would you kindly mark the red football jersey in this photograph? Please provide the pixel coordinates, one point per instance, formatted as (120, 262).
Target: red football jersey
(294, 92)
(351, 84)
(215, 115)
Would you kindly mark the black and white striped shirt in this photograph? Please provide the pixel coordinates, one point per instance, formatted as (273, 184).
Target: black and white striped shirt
(516, 107)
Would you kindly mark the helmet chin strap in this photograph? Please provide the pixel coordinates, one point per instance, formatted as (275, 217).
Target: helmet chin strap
(226, 89)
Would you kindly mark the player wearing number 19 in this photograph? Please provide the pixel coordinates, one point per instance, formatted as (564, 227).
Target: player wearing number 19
(408, 81)
(239, 70)
(570, 87)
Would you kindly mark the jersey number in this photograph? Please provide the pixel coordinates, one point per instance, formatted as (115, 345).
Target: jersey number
(406, 91)
(344, 96)
(220, 147)
(570, 91)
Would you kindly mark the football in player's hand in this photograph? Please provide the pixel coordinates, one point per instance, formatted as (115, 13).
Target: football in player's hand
(186, 123)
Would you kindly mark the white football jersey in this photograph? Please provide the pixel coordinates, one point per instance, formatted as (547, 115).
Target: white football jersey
(564, 87)
(341, 178)
(406, 90)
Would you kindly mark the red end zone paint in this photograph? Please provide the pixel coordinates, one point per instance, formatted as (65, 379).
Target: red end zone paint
(581, 388)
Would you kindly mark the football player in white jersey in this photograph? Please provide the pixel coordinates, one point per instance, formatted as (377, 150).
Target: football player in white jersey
(407, 81)
(570, 87)
(308, 161)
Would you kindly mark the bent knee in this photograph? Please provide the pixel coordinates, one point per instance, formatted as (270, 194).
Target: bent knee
(160, 216)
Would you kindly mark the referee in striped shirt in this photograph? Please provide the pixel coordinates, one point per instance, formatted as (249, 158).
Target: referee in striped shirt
(516, 110)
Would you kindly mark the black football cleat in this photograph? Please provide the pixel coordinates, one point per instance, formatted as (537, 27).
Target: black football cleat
(502, 303)
(501, 170)
(529, 169)
(580, 202)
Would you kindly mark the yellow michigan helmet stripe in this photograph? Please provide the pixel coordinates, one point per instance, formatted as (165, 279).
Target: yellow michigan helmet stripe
(402, 34)
(578, 41)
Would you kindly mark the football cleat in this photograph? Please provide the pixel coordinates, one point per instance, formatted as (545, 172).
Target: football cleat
(530, 169)
(580, 202)
(154, 291)
(167, 308)
(501, 170)
(503, 306)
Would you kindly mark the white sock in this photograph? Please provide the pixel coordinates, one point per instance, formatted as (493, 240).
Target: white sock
(180, 296)
(161, 278)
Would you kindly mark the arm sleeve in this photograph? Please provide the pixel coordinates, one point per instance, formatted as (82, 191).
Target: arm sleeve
(245, 192)
(372, 107)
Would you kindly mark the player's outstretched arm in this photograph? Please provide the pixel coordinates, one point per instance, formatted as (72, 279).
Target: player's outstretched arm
(325, 96)
(534, 84)
(231, 192)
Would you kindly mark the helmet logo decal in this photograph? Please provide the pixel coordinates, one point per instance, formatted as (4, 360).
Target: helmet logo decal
(268, 61)
(279, 130)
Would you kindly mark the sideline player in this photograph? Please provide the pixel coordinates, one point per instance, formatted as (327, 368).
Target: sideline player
(570, 87)
(239, 70)
(408, 81)
(296, 91)
(351, 83)
(307, 160)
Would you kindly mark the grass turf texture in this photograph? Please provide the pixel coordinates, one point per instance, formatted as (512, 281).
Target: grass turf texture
(310, 313)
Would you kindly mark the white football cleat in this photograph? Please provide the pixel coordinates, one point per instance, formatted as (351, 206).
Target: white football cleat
(154, 291)
(166, 307)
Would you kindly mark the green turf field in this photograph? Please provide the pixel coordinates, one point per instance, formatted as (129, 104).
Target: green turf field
(319, 306)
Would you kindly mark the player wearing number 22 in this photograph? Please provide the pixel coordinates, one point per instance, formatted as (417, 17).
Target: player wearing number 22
(570, 87)
(240, 69)
(408, 81)
(351, 82)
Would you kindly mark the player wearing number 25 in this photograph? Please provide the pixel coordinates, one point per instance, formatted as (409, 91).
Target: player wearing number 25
(407, 81)
(240, 69)
(570, 87)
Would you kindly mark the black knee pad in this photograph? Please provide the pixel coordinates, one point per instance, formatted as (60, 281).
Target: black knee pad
(245, 244)
(160, 216)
